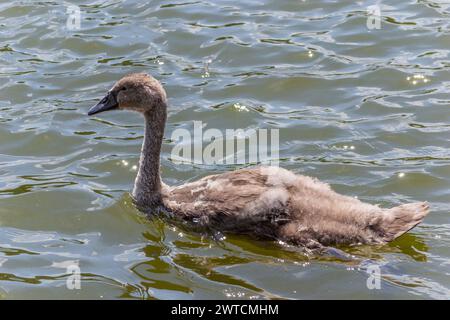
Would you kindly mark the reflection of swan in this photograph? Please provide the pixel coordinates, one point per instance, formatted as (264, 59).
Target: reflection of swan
(267, 202)
(410, 245)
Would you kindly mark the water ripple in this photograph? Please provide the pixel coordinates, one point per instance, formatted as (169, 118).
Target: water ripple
(352, 106)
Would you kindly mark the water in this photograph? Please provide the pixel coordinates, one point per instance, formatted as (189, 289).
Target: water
(343, 97)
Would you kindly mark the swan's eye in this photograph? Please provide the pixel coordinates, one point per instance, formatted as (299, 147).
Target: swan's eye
(123, 88)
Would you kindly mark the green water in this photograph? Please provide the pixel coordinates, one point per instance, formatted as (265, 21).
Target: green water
(343, 97)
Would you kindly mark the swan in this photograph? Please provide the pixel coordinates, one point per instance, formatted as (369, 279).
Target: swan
(263, 201)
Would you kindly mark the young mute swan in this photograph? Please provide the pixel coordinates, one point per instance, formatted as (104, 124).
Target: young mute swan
(266, 202)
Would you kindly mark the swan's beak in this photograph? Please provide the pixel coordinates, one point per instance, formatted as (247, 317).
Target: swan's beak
(109, 102)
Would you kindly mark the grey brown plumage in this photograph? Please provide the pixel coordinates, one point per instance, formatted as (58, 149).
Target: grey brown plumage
(266, 202)
(275, 203)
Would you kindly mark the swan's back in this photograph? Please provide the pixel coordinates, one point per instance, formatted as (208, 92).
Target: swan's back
(276, 203)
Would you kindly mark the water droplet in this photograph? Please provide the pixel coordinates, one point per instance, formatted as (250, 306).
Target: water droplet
(401, 174)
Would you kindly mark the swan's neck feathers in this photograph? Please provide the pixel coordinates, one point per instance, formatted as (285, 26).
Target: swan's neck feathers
(147, 186)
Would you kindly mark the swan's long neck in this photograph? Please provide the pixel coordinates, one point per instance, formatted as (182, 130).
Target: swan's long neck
(147, 186)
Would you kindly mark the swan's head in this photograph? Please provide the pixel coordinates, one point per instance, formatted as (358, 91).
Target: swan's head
(138, 92)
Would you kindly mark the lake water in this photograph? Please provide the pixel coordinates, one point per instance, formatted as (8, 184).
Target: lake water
(364, 109)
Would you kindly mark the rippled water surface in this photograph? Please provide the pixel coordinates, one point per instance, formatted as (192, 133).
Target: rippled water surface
(366, 110)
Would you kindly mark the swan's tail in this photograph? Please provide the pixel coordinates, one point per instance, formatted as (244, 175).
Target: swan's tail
(401, 219)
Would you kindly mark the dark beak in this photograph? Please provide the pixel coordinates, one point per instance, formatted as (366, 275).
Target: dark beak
(109, 102)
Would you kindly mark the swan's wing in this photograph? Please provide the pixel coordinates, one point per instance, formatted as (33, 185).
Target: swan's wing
(234, 200)
(228, 192)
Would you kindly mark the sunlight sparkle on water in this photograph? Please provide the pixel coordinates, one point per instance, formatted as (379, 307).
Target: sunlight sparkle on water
(239, 107)
(417, 78)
